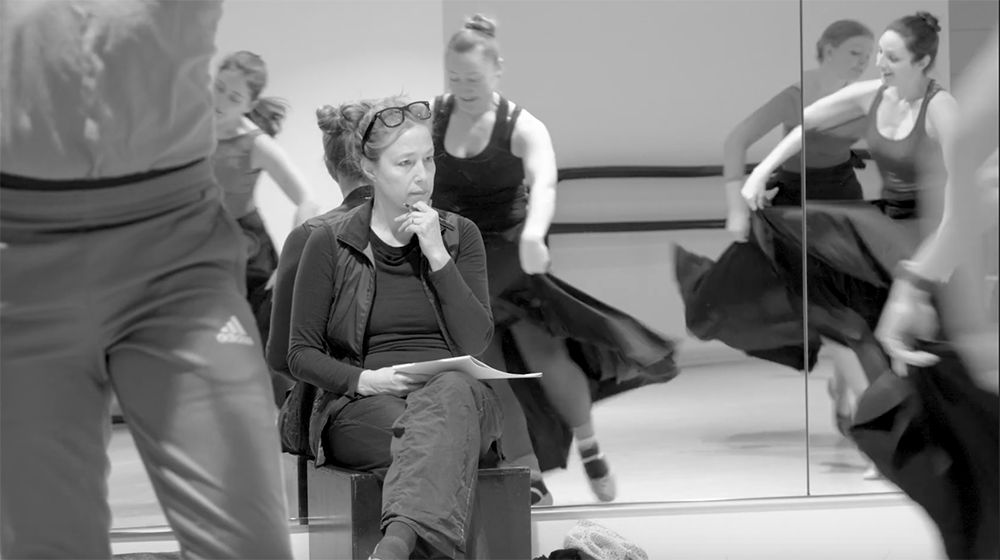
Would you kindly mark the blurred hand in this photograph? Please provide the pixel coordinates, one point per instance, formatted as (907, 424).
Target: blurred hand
(907, 317)
(534, 255)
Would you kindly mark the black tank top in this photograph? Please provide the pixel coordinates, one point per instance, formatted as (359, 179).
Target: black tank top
(487, 188)
(907, 163)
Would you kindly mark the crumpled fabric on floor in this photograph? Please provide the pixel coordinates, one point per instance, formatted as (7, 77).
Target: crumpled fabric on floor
(596, 542)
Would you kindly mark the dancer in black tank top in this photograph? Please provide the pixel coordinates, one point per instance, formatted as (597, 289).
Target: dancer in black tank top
(930, 430)
(493, 158)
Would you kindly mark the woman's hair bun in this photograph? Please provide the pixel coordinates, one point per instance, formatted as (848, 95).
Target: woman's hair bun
(482, 24)
(931, 20)
(328, 118)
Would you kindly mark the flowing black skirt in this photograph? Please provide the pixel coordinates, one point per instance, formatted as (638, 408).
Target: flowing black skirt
(851, 250)
(745, 299)
(936, 435)
(262, 261)
(616, 351)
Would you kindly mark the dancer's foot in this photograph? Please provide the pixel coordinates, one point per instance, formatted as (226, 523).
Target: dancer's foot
(602, 482)
(540, 495)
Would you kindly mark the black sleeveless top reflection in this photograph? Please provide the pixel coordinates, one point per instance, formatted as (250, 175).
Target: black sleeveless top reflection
(488, 187)
(614, 350)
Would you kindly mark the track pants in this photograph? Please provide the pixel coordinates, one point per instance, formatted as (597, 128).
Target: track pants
(136, 289)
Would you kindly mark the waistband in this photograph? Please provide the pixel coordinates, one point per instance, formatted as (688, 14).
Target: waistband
(93, 202)
(825, 172)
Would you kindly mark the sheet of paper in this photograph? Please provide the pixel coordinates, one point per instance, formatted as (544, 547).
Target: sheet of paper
(465, 364)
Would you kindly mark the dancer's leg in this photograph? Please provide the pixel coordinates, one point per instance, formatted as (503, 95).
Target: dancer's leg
(568, 388)
(516, 439)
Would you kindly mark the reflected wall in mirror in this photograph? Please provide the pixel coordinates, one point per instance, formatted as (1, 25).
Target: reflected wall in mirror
(896, 157)
(662, 93)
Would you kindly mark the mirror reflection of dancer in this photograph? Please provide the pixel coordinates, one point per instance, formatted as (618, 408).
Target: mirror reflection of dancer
(122, 272)
(739, 300)
(245, 126)
(338, 124)
(969, 518)
(853, 248)
(497, 166)
(908, 118)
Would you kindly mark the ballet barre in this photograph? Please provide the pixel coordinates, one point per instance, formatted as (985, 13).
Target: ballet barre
(645, 172)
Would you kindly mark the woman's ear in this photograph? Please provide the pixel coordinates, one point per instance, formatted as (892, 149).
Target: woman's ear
(368, 168)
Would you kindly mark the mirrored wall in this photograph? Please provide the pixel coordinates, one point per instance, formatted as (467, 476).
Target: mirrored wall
(657, 112)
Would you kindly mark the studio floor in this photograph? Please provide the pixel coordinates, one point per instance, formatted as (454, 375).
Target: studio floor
(726, 431)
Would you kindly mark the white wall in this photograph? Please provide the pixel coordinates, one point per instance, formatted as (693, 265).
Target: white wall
(321, 52)
(970, 23)
(638, 82)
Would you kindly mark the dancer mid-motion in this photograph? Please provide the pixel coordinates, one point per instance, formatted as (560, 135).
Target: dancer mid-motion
(123, 273)
(740, 300)
(918, 442)
(390, 282)
(965, 408)
(245, 124)
(497, 166)
(338, 125)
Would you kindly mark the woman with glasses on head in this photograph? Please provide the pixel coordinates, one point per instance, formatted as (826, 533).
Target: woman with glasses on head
(497, 166)
(391, 282)
(740, 300)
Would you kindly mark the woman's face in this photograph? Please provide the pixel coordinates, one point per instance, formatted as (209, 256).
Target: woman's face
(404, 174)
(472, 79)
(895, 62)
(850, 59)
(232, 96)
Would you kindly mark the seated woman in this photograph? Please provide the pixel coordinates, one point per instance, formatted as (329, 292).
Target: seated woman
(391, 282)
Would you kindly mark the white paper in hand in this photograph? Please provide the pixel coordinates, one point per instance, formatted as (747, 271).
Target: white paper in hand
(465, 364)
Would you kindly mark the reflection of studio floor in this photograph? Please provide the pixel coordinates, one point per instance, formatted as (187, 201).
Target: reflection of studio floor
(716, 432)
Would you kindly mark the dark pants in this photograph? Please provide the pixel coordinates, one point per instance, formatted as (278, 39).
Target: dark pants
(427, 448)
(135, 290)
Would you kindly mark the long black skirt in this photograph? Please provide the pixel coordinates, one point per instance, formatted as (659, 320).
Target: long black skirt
(616, 351)
(262, 261)
(936, 435)
(851, 250)
(746, 299)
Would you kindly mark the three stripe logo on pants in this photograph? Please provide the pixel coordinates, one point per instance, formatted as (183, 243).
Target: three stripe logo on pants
(234, 333)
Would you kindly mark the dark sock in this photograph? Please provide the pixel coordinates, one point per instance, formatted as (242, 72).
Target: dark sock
(593, 462)
(397, 544)
(538, 491)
